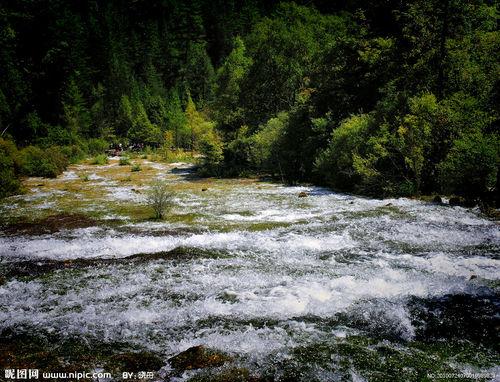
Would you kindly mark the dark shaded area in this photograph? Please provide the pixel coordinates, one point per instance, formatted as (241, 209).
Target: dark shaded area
(460, 317)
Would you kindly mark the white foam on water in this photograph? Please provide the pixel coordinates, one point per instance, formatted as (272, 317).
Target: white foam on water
(339, 254)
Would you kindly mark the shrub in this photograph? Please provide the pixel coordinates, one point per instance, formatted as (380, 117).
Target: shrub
(136, 168)
(159, 198)
(100, 159)
(124, 161)
(73, 153)
(46, 163)
(9, 182)
(96, 146)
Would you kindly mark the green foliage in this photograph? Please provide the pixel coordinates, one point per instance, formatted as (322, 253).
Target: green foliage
(124, 161)
(176, 120)
(341, 164)
(142, 130)
(48, 163)
(471, 166)
(413, 137)
(135, 168)
(267, 142)
(100, 159)
(77, 117)
(227, 111)
(370, 97)
(9, 182)
(211, 149)
(96, 146)
(197, 125)
(74, 153)
(285, 50)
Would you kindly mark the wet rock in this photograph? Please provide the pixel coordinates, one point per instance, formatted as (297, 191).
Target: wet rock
(437, 199)
(197, 357)
(204, 189)
(473, 277)
(388, 204)
(303, 194)
(351, 202)
(134, 362)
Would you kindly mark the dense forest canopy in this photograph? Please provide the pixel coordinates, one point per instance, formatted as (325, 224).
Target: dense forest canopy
(375, 97)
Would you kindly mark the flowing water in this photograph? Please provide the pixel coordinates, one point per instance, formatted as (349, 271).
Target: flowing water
(324, 287)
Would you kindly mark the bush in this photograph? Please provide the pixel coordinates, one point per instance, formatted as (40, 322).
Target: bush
(124, 161)
(136, 168)
(100, 159)
(470, 168)
(96, 146)
(46, 163)
(9, 182)
(73, 153)
(159, 198)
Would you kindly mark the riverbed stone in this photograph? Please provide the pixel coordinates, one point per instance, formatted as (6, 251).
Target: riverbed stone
(198, 357)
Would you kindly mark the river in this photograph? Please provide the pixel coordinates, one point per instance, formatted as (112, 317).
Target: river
(323, 287)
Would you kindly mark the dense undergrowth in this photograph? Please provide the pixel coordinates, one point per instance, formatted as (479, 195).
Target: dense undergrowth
(399, 98)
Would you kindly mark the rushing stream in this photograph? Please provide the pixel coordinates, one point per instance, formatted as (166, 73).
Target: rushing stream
(324, 287)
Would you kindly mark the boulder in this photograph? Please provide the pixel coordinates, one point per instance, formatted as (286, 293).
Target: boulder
(437, 199)
(204, 189)
(303, 194)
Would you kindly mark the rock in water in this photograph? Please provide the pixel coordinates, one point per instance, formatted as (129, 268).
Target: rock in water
(437, 199)
(303, 194)
(204, 189)
(197, 357)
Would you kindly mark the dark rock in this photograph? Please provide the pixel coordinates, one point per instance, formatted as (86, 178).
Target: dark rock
(135, 362)
(197, 357)
(388, 204)
(472, 277)
(204, 189)
(303, 194)
(455, 201)
(469, 203)
(351, 202)
(437, 199)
